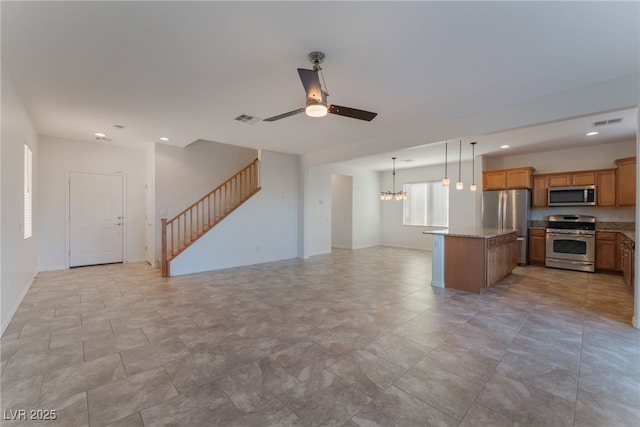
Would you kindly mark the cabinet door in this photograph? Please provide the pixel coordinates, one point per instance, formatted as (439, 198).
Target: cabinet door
(627, 265)
(540, 192)
(619, 251)
(626, 182)
(606, 188)
(519, 178)
(537, 246)
(605, 250)
(503, 261)
(559, 180)
(492, 260)
(494, 180)
(584, 178)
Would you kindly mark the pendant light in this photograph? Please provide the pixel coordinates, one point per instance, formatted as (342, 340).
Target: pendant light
(445, 180)
(473, 186)
(388, 195)
(460, 184)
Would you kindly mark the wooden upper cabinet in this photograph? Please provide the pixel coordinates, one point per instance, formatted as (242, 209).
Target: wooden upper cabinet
(606, 188)
(507, 179)
(519, 178)
(494, 180)
(584, 178)
(572, 178)
(626, 182)
(559, 180)
(540, 193)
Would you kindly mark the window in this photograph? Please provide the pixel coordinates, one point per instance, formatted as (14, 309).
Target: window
(427, 204)
(28, 192)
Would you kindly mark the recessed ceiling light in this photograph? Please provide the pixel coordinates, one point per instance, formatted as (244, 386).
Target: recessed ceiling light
(592, 133)
(164, 138)
(504, 146)
(100, 135)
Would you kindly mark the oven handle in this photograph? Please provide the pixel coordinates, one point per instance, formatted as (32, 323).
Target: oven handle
(560, 234)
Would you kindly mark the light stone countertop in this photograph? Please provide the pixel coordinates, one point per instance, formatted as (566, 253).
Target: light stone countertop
(475, 232)
(629, 234)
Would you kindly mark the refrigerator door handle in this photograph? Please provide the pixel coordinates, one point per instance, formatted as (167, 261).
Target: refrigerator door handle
(501, 210)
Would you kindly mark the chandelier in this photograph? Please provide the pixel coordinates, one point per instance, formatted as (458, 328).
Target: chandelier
(389, 195)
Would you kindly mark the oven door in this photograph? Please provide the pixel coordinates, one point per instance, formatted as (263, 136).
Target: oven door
(571, 247)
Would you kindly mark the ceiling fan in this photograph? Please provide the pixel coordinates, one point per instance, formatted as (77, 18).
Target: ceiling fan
(317, 105)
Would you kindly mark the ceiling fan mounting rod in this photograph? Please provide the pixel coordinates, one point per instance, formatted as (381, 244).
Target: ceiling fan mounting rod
(316, 59)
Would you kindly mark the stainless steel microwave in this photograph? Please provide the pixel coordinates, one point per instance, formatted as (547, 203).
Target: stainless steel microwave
(583, 195)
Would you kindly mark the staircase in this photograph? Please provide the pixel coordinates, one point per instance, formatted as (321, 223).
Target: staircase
(179, 232)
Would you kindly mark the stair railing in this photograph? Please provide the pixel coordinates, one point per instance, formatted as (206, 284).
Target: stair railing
(179, 232)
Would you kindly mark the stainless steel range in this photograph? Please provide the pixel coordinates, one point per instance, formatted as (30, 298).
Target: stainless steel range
(571, 242)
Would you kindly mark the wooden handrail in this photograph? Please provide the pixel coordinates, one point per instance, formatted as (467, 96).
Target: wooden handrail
(179, 232)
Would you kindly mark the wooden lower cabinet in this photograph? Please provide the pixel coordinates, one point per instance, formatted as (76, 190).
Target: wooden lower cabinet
(501, 257)
(627, 257)
(616, 252)
(473, 263)
(606, 250)
(537, 245)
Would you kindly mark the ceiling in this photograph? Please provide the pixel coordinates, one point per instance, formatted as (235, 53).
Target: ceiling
(185, 70)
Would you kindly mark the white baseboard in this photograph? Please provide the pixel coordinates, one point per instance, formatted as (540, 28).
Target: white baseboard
(6, 321)
(53, 268)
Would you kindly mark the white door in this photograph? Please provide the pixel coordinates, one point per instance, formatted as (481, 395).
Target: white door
(95, 218)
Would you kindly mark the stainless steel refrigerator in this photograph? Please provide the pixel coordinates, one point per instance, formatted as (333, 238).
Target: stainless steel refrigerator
(509, 210)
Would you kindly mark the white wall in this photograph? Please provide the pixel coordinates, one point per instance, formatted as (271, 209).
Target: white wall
(263, 229)
(365, 215)
(574, 159)
(341, 211)
(58, 158)
(18, 265)
(366, 208)
(149, 206)
(317, 211)
(183, 175)
(463, 204)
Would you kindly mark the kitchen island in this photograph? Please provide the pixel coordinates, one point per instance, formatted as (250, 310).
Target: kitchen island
(470, 259)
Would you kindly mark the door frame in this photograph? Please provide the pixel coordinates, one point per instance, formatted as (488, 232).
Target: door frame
(67, 213)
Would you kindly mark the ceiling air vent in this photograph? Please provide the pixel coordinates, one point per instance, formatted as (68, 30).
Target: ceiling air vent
(245, 118)
(607, 122)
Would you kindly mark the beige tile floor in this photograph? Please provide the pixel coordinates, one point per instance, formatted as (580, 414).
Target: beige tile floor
(352, 338)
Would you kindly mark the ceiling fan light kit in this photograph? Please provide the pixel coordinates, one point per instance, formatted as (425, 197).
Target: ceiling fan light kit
(316, 109)
(316, 103)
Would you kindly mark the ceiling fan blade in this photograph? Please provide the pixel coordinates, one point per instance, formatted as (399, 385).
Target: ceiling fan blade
(282, 116)
(311, 84)
(352, 112)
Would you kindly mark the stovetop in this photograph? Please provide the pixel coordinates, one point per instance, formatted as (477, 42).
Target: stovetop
(572, 222)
